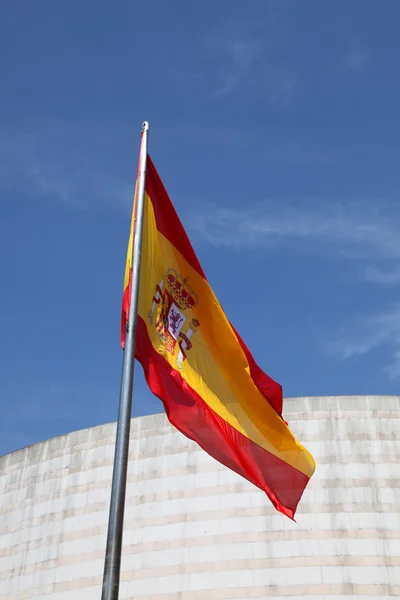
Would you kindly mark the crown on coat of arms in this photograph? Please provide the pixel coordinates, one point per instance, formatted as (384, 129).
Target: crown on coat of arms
(180, 290)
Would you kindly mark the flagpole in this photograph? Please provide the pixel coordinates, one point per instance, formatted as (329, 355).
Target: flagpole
(112, 563)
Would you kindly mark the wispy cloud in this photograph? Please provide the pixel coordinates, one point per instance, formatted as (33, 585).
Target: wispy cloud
(357, 56)
(297, 154)
(52, 165)
(246, 55)
(385, 276)
(49, 179)
(355, 231)
(368, 333)
(236, 55)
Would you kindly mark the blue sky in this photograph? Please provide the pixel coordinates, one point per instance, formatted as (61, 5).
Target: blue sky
(275, 127)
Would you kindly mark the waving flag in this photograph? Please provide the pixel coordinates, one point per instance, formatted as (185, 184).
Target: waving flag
(196, 363)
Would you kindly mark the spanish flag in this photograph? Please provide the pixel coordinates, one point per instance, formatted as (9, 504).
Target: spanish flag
(197, 364)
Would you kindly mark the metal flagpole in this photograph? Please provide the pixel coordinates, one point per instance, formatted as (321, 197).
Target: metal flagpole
(112, 564)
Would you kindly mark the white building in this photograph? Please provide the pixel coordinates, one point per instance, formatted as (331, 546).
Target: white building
(193, 529)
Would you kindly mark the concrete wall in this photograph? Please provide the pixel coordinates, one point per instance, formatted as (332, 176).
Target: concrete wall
(196, 531)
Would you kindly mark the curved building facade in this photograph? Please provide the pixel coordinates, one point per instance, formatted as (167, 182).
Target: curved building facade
(193, 529)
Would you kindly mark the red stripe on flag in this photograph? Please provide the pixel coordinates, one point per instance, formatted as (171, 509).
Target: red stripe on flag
(188, 412)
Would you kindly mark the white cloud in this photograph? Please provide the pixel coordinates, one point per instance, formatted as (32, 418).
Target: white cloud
(356, 231)
(49, 179)
(297, 154)
(368, 333)
(245, 55)
(236, 57)
(386, 276)
(42, 165)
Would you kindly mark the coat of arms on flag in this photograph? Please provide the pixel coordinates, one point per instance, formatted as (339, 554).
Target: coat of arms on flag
(174, 327)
